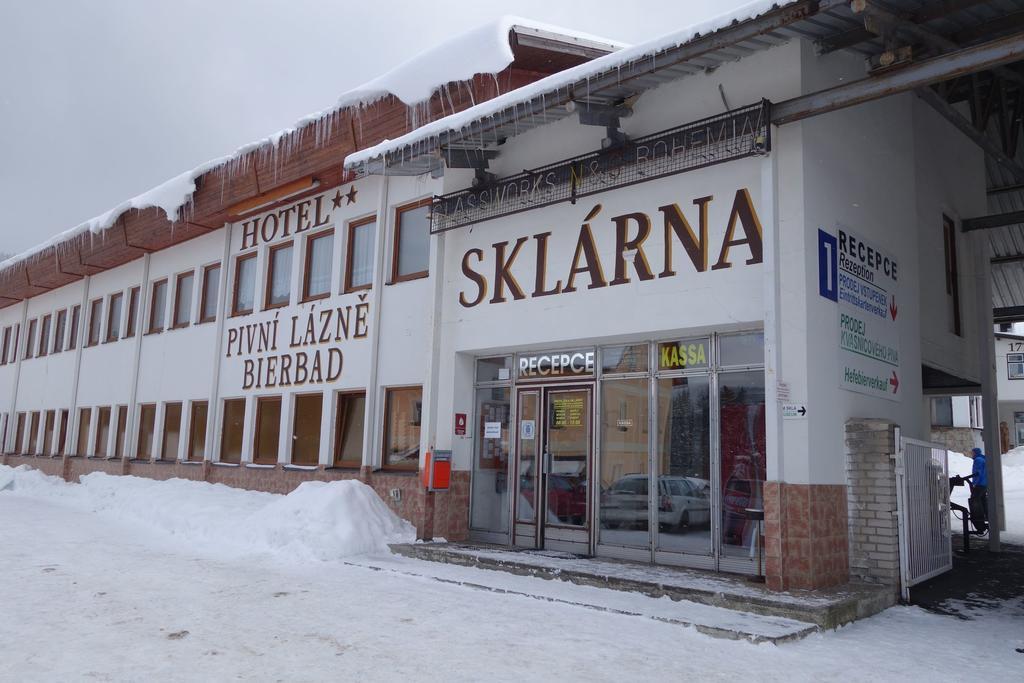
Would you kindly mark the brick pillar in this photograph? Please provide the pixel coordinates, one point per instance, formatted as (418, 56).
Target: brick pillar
(874, 538)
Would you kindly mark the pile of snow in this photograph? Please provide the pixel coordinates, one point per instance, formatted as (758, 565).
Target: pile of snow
(1013, 490)
(318, 520)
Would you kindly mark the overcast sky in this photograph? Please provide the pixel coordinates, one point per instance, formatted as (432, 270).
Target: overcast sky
(102, 100)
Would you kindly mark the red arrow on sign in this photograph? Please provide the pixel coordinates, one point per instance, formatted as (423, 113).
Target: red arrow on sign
(892, 307)
(894, 381)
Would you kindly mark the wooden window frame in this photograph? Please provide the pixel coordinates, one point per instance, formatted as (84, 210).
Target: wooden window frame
(88, 329)
(73, 325)
(86, 424)
(224, 431)
(163, 431)
(138, 433)
(96, 442)
(60, 329)
(260, 400)
(349, 239)
(269, 275)
(30, 338)
(134, 295)
(952, 272)
(43, 343)
(62, 432)
(175, 325)
(121, 433)
(150, 328)
(295, 415)
(192, 430)
(388, 391)
(338, 430)
(307, 261)
(113, 335)
(397, 238)
(202, 294)
(235, 310)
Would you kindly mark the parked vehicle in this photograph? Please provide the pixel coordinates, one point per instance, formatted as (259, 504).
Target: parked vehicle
(682, 502)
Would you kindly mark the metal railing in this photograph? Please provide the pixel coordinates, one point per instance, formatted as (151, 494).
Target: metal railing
(922, 507)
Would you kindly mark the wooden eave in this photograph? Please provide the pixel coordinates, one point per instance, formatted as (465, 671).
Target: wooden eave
(260, 171)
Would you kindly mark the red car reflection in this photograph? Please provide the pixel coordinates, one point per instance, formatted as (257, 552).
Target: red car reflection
(567, 498)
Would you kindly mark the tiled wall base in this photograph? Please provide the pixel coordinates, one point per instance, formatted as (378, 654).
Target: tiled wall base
(806, 541)
(435, 515)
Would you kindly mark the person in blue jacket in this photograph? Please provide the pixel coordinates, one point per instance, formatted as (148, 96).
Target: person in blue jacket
(979, 480)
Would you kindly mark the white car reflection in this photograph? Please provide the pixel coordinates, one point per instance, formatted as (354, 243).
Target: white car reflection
(682, 502)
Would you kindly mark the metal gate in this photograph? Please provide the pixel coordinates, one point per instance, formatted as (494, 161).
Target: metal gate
(922, 506)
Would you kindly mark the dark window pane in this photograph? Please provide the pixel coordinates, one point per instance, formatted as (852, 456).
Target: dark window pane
(268, 430)
(413, 249)
(402, 427)
(232, 431)
(306, 429)
(348, 450)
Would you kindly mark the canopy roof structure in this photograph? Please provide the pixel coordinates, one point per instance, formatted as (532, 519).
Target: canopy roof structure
(965, 58)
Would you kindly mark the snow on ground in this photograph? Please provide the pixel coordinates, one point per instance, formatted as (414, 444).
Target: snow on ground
(1013, 491)
(121, 578)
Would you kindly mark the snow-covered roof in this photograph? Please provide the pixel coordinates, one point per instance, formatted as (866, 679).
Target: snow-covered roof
(425, 138)
(413, 82)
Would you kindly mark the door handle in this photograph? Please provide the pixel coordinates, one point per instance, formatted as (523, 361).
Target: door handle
(547, 461)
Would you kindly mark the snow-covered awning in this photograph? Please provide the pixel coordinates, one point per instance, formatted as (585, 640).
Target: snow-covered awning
(610, 79)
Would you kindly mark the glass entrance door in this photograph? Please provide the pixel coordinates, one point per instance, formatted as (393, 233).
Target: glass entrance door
(554, 448)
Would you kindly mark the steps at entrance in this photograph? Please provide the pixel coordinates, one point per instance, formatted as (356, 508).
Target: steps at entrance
(822, 609)
(718, 622)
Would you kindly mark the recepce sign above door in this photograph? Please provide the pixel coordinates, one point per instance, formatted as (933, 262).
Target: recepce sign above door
(557, 364)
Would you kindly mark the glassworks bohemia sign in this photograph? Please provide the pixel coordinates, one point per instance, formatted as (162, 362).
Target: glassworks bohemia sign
(733, 135)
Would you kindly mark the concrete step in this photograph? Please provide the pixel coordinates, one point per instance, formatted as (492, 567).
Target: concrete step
(824, 608)
(717, 622)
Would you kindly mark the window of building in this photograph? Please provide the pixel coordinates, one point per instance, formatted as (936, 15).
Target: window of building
(1015, 365)
(102, 432)
(133, 311)
(279, 276)
(5, 346)
(122, 431)
(84, 420)
(359, 254)
(30, 340)
(232, 430)
(183, 299)
(268, 430)
(62, 433)
(306, 429)
(73, 332)
(942, 411)
(208, 297)
(411, 254)
(33, 433)
(402, 413)
(114, 317)
(49, 422)
(147, 426)
(316, 277)
(245, 285)
(3, 439)
(59, 330)
(348, 436)
(157, 307)
(952, 276)
(19, 434)
(172, 431)
(197, 432)
(95, 321)
(44, 335)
